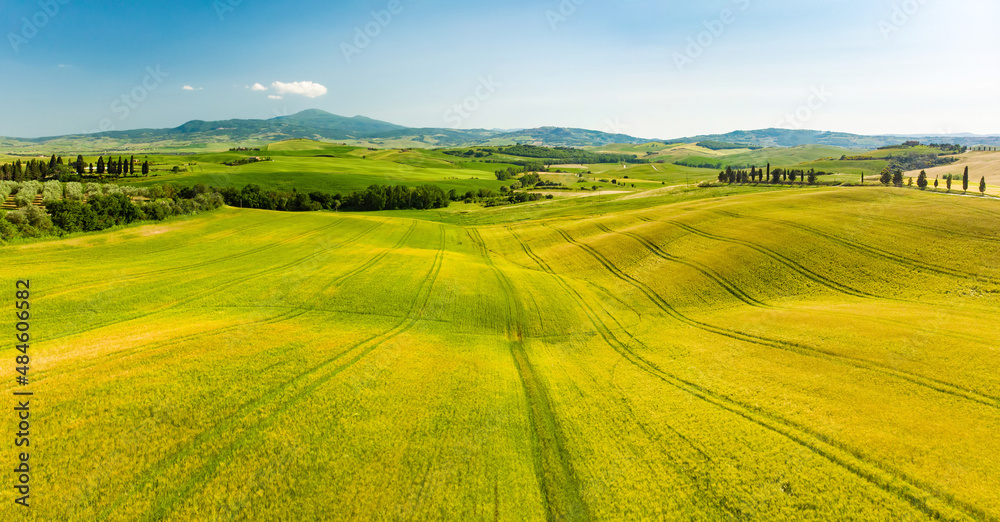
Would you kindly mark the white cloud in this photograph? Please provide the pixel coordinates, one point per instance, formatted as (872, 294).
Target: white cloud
(273, 97)
(307, 89)
(189, 88)
(258, 87)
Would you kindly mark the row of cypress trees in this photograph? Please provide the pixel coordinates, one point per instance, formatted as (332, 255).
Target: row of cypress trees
(922, 181)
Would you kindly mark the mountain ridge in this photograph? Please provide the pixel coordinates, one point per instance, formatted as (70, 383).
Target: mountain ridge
(321, 125)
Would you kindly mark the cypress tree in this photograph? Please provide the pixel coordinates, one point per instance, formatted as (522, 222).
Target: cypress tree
(947, 181)
(145, 168)
(52, 162)
(965, 180)
(769, 171)
(982, 186)
(100, 165)
(897, 177)
(886, 177)
(935, 182)
(922, 180)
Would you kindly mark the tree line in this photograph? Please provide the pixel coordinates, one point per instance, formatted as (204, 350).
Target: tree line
(891, 175)
(754, 175)
(112, 167)
(722, 145)
(374, 198)
(550, 155)
(33, 170)
(74, 207)
(894, 176)
(56, 168)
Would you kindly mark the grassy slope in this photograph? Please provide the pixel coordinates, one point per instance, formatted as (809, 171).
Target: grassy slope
(308, 165)
(344, 173)
(823, 353)
(777, 157)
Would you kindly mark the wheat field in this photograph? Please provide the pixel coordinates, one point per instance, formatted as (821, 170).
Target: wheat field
(797, 354)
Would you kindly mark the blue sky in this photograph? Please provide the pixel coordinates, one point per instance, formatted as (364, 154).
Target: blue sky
(652, 69)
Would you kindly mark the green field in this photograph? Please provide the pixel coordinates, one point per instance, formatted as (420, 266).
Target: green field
(822, 158)
(727, 353)
(310, 166)
(331, 169)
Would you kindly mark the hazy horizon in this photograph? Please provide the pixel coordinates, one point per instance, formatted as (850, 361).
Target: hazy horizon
(515, 129)
(658, 70)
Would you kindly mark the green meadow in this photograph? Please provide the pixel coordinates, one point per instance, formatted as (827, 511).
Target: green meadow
(311, 166)
(671, 353)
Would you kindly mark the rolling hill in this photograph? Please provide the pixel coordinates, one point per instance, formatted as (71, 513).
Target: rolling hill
(320, 125)
(793, 354)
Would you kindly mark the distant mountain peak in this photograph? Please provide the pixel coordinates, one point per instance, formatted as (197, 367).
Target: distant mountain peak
(317, 124)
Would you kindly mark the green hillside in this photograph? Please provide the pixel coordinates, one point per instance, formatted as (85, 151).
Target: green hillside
(776, 156)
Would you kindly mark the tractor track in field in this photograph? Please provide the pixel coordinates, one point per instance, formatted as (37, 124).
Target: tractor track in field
(735, 291)
(183, 268)
(548, 270)
(553, 465)
(795, 266)
(604, 331)
(370, 263)
(409, 320)
(227, 233)
(219, 288)
(894, 482)
(867, 249)
(957, 204)
(904, 224)
(794, 347)
(288, 315)
(435, 433)
(366, 346)
(718, 279)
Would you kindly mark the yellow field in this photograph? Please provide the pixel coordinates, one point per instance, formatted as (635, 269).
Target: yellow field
(980, 164)
(822, 354)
